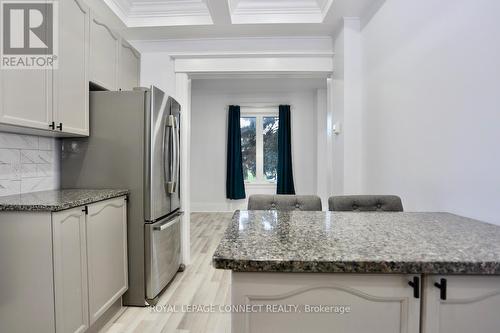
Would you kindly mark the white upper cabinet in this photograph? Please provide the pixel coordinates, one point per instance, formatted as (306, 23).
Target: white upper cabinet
(104, 54)
(55, 102)
(71, 88)
(24, 98)
(130, 62)
(70, 271)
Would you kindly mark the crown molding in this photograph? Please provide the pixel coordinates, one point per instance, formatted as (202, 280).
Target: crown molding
(165, 13)
(120, 8)
(215, 55)
(238, 45)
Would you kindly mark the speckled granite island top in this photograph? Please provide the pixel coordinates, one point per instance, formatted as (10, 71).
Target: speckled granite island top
(56, 200)
(339, 242)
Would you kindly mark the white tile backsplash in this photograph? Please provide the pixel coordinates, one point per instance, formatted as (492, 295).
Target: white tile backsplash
(18, 141)
(36, 156)
(28, 163)
(9, 187)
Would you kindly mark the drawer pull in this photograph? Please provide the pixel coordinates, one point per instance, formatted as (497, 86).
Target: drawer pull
(415, 284)
(442, 286)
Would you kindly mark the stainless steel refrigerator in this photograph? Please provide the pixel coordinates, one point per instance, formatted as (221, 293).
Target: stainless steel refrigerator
(134, 143)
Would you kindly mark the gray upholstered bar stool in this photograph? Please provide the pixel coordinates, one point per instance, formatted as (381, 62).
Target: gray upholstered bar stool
(365, 203)
(284, 202)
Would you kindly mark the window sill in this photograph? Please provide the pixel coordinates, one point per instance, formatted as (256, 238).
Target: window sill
(260, 185)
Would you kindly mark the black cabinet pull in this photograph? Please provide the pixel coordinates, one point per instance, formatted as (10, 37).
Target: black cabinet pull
(415, 284)
(86, 210)
(52, 125)
(442, 288)
(59, 127)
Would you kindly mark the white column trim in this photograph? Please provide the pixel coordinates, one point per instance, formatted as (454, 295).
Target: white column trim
(183, 94)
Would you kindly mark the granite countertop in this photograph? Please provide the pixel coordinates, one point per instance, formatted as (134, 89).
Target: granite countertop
(343, 242)
(56, 200)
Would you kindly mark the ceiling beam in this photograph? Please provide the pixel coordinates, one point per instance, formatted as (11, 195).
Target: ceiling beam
(328, 12)
(350, 8)
(219, 10)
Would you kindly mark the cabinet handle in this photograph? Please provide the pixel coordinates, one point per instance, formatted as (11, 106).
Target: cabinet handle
(52, 126)
(415, 284)
(442, 288)
(86, 210)
(59, 127)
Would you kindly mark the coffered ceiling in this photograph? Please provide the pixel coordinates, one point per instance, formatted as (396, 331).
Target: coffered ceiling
(219, 16)
(140, 13)
(147, 13)
(284, 11)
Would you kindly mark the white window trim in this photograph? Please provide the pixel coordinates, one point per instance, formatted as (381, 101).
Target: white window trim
(259, 112)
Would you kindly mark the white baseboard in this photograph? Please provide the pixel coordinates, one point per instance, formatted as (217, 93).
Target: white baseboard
(228, 206)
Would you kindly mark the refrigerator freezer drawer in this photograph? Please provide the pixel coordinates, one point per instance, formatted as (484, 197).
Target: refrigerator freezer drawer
(163, 253)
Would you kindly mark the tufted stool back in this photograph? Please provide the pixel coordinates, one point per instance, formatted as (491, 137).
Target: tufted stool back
(284, 202)
(365, 203)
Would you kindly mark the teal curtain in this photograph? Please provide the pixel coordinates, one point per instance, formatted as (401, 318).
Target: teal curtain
(235, 186)
(285, 174)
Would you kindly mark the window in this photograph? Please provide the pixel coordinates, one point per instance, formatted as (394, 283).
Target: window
(259, 145)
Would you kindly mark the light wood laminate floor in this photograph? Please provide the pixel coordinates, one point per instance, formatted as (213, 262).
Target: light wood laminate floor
(199, 284)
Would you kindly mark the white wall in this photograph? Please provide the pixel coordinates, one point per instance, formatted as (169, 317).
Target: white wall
(210, 99)
(158, 69)
(323, 165)
(28, 163)
(337, 116)
(432, 105)
(348, 148)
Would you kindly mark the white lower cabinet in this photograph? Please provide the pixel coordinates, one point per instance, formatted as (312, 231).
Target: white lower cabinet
(467, 304)
(26, 275)
(347, 303)
(107, 254)
(382, 303)
(90, 262)
(70, 270)
(61, 271)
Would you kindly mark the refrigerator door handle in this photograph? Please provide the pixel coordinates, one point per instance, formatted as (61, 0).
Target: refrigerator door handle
(165, 164)
(165, 225)
(171, 183)
(178, 157)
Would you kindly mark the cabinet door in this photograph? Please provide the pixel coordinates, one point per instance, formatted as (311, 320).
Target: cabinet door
(107, 254)
(70, 271)
(103, 54)
(26, 273)
(352, 303)
(129, 66)
(71, 82)
(471, 305)
(24, 98)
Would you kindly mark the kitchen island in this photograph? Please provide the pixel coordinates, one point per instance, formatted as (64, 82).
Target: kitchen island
(362, 272)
